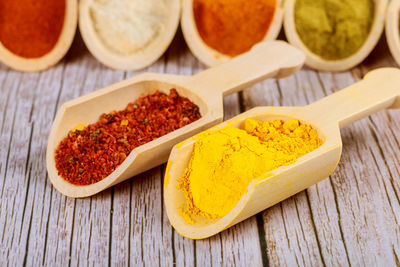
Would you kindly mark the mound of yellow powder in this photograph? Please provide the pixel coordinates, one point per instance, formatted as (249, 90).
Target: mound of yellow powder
(225, 161)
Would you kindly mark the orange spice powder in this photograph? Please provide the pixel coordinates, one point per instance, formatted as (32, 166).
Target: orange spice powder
(31, 28)
(232, 27)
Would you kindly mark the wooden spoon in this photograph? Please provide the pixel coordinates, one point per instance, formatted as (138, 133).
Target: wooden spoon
(208, 55)
(206, 89)
(315, 61)
(141, 58)
(56, 54)
(380, 89)
(393, 30)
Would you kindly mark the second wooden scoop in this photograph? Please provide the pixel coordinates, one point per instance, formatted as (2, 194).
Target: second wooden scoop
(380, 89)
(206, 89)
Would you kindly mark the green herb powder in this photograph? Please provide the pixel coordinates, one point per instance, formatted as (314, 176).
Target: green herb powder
(334, 29)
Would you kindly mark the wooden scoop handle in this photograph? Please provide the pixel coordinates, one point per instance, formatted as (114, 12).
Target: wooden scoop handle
(275, 59)
(378, 90)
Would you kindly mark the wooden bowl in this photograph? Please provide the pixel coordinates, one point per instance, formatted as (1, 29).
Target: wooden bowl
(208, 55)
(56, 54)
(138, 60)
(392, 29)
(316, 62)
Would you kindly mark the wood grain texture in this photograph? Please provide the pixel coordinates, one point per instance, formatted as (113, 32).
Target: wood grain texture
(351, 218)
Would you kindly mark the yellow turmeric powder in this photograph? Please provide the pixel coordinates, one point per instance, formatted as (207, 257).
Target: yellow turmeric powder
(225, 161)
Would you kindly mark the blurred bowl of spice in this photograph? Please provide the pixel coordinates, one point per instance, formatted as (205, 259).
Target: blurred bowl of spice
(217, 30)
(335, 35)
(128, 34)
(35, 35)
(392, 29)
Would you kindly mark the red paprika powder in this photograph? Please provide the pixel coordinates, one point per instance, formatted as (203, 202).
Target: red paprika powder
(90, 154)
(31, 28)
(233, 27)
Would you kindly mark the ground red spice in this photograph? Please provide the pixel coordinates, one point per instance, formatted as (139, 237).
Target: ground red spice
(233, 27)
(31, 28)
(88, 156)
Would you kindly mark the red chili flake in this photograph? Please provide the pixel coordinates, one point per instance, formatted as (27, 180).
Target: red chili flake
(89, 155)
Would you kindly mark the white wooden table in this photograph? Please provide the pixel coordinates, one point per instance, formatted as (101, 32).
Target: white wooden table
(351, 218)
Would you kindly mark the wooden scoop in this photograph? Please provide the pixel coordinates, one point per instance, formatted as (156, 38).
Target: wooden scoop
(380, 89)
(206, 89)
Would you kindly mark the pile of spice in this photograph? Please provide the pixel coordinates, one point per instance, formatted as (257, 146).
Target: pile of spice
(89, 154)
(225, 161)
(334, 29)
(31, 28)
(127, 26)
(233, 27)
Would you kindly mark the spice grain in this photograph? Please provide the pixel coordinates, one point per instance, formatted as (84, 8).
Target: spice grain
(334, 29)
(89, 154)
(31, 28)
(128, 26)
(225, 161)
(233, 27)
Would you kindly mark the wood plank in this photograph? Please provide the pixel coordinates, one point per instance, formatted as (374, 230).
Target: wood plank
(387, 160)
(4, 93)
(9, 90)
(4, 143)
(324, 211)
(368, 228)
(62, 213)
(17, 130)
(39, 191)
(148, 245)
